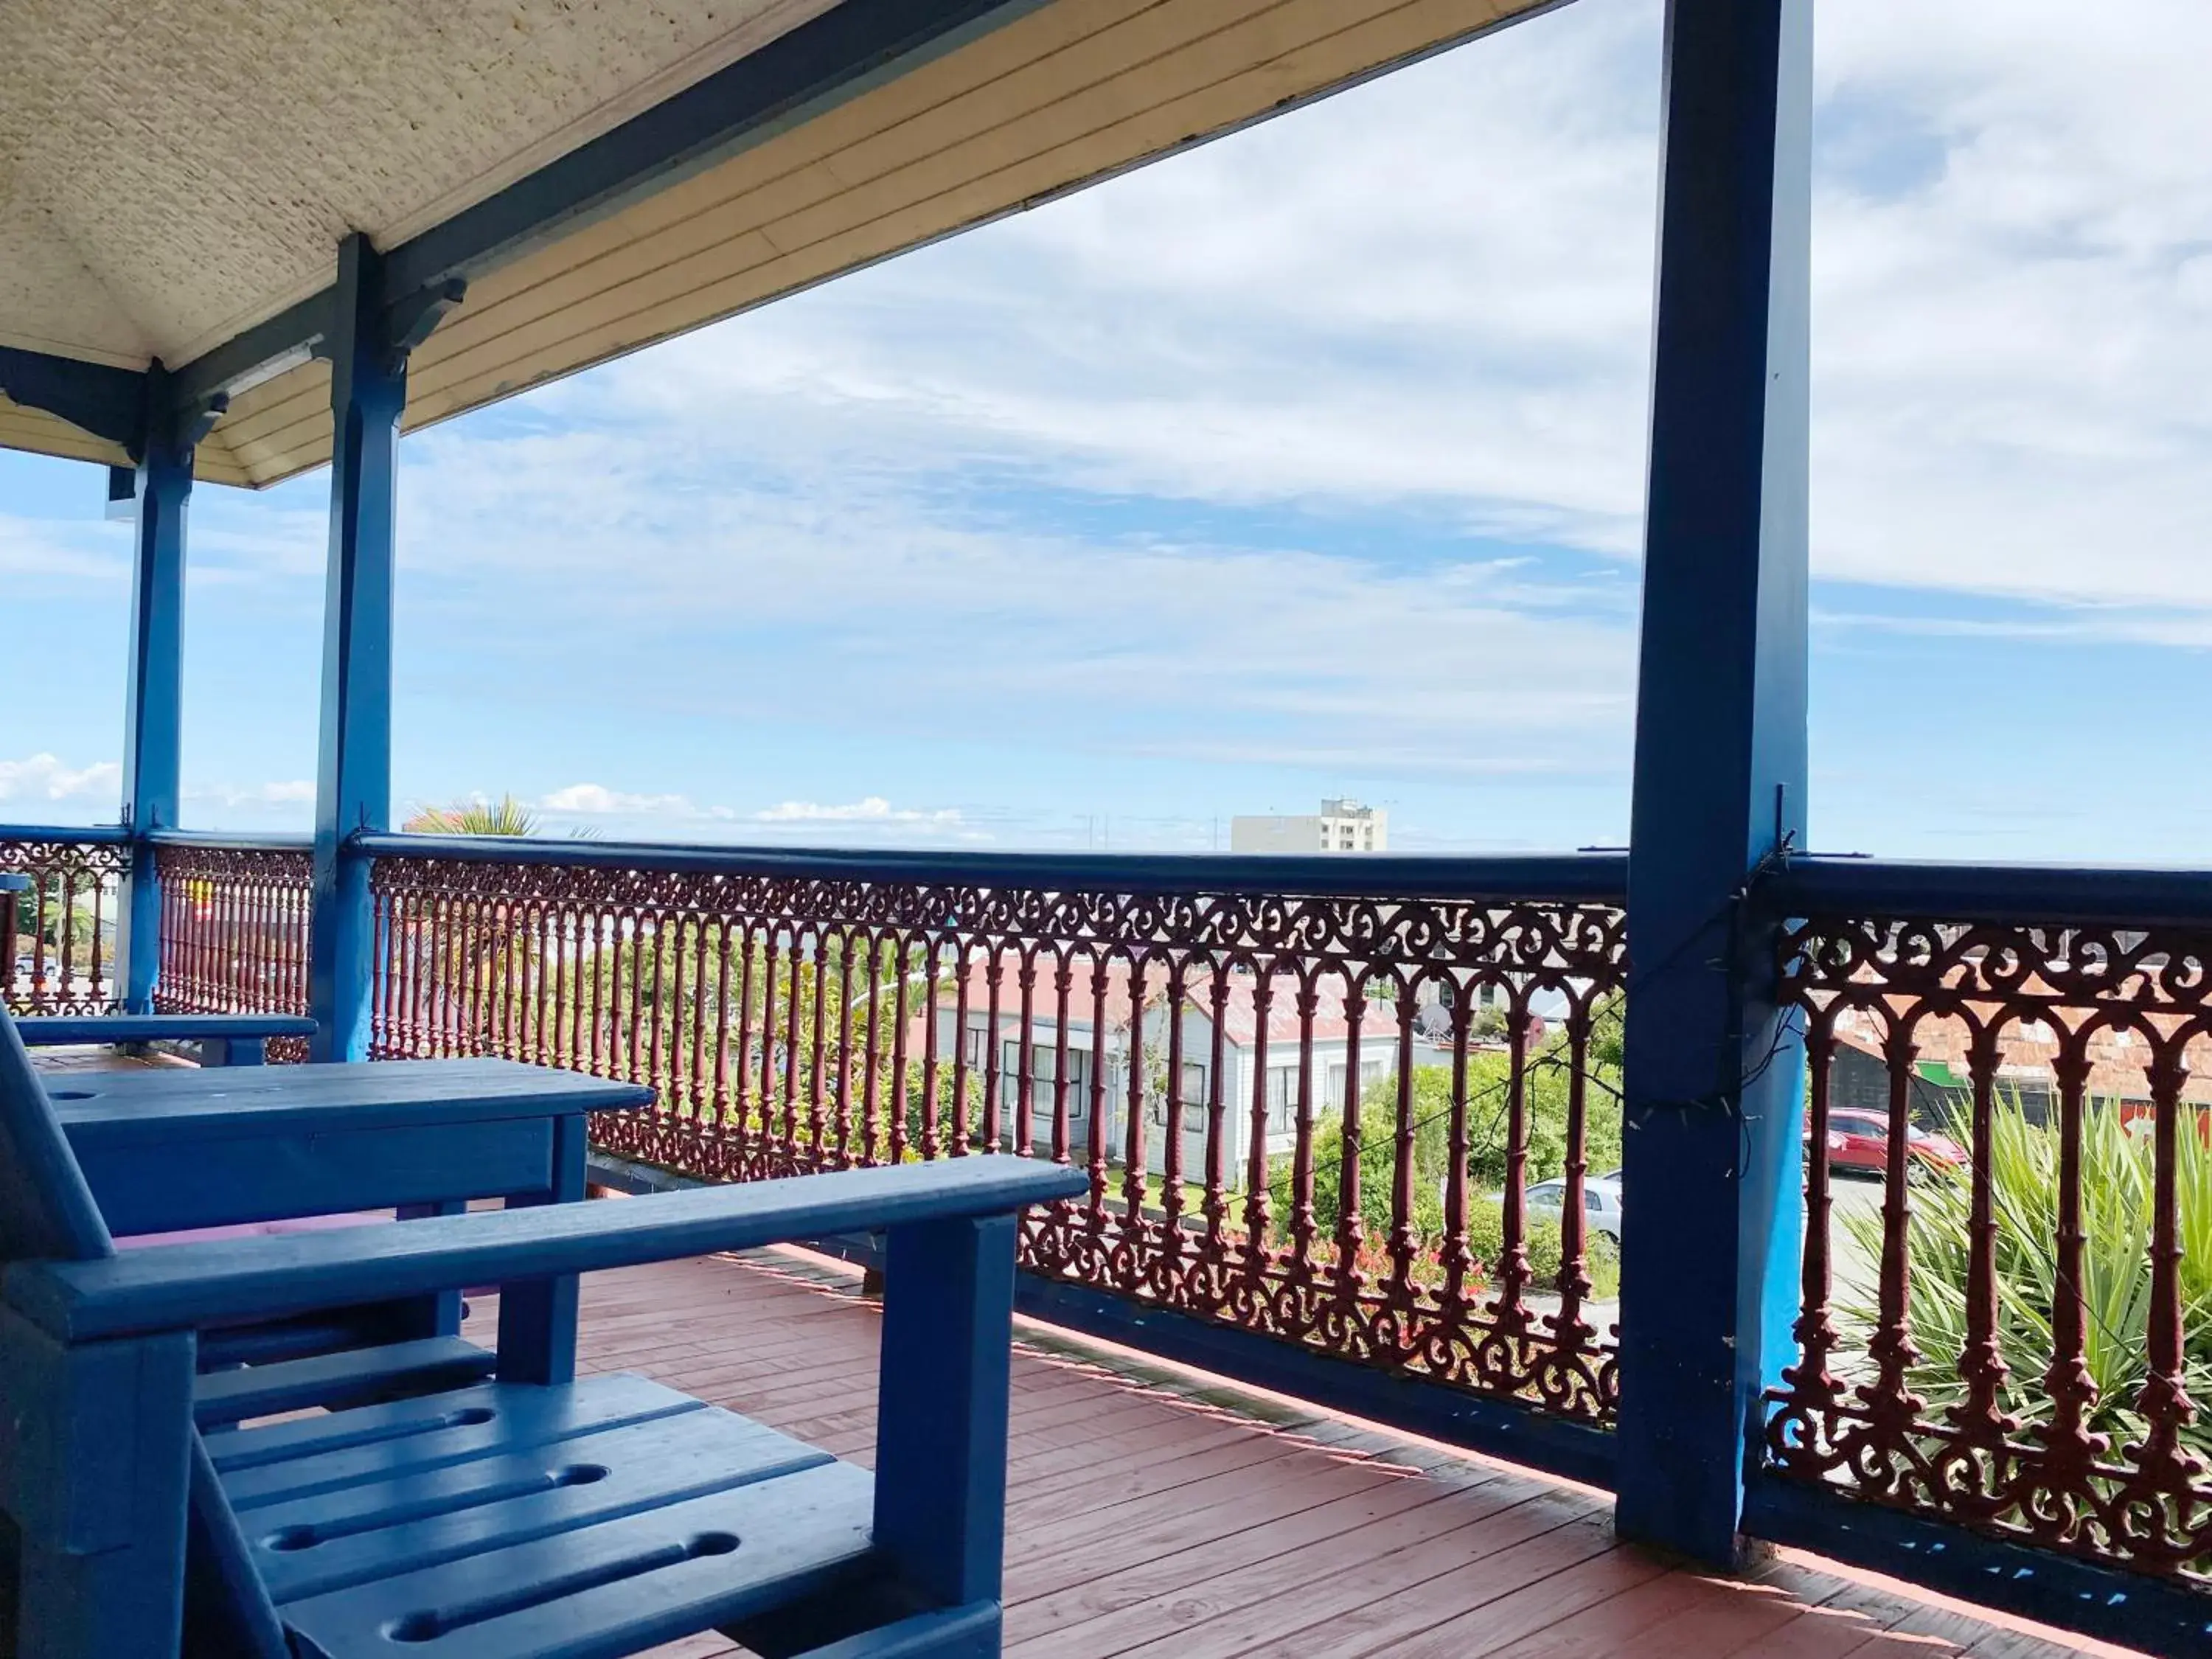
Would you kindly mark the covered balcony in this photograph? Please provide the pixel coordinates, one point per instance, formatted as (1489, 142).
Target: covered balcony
(1464, 1266)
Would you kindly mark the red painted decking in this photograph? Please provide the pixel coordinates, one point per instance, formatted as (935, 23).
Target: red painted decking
(1158, 1513)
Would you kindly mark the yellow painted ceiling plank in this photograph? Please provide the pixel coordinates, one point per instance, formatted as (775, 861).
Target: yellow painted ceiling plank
(1062, 102)
(630, 249)
(957, 74)
(290, 431)
(42, 434)
(803, 167)
(1160, 128)
(305, 399)
(649, 273)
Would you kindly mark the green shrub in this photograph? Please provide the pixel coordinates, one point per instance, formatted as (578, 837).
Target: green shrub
(1486, 1232)
(1378, 1176)
(1488, 1120)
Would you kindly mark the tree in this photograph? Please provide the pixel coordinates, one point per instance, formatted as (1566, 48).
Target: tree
(1549, 1080)
(474, 817)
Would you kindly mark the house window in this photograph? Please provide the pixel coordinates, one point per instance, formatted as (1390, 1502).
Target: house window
(1043, 1070)
(1192, 1095)
(1282, 1092)
(976, 1048)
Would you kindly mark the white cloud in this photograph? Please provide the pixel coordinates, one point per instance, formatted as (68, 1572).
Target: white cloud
(868, 819)
(43, 777)
(872, 810)
(292, 792)
(881, 601)
(75, 553)
(1435, 289)
(594, 800)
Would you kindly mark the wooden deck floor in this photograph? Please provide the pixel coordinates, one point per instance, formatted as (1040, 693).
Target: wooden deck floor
(1152, 1512)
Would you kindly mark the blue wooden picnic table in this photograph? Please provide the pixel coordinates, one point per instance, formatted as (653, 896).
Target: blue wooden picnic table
(532, 1516)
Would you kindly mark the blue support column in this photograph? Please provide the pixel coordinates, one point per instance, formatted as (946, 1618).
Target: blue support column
(153, 701)
(353, 780)
(1712, 1215)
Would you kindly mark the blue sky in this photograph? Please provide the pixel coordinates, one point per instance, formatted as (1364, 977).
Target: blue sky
(1305, 463)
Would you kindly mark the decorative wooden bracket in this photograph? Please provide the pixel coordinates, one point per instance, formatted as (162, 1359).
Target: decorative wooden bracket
(410, 319)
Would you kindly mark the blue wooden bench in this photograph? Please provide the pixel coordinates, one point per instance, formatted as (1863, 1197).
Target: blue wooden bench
(220, 1039)
(530, 1516)
(176, 1149)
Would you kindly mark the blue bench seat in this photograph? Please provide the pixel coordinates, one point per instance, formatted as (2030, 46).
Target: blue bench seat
(445, 1522)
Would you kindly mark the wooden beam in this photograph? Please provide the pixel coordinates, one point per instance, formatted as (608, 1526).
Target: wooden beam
(107, 401)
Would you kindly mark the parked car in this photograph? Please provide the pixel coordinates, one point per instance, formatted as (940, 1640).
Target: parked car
(1860, 1140)
(1600, 1202)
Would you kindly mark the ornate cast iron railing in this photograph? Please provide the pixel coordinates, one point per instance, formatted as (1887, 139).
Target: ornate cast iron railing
(1226, 1060)
(2013, 1336)
(58, 939)
(234, 930)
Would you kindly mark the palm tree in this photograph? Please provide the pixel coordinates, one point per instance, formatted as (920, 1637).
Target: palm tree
(506, 817)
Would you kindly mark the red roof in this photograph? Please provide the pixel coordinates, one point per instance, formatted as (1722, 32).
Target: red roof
(2028, 1050)
(1378, 1023)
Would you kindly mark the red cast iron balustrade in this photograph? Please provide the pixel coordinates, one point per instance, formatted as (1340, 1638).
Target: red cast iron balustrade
(58, 937)
(793, 1025)
(2024, 1351)
(234, 933)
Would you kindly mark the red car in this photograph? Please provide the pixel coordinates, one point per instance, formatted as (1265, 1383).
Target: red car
(1860, 1140)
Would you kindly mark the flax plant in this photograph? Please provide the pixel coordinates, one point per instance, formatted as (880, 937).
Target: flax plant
(2117, 1176)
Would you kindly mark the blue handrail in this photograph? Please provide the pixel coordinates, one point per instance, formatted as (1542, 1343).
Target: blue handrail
(2109, 894)
(2116, 895)
(1593, 878)
(81, 834)
(237, 840)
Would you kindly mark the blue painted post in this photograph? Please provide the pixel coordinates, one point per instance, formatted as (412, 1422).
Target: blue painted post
(153, 699)
(1713, 1081)
(353, 780)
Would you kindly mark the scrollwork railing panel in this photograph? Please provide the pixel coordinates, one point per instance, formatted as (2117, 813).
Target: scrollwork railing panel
(2016, 1333)
(234, 933)
(58, 938)
(1290, 1106)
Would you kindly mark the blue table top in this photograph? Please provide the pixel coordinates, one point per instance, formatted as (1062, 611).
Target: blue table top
(177, 1102)
(13, 882)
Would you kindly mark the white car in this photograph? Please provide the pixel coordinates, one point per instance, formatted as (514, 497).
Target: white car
(1600, 1202)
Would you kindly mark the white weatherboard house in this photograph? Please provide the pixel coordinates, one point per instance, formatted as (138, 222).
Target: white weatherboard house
(1275, 1068)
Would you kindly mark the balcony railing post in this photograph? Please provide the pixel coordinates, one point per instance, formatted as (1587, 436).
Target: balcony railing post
(152, 717)
(1712, 1076)
(353, 784)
